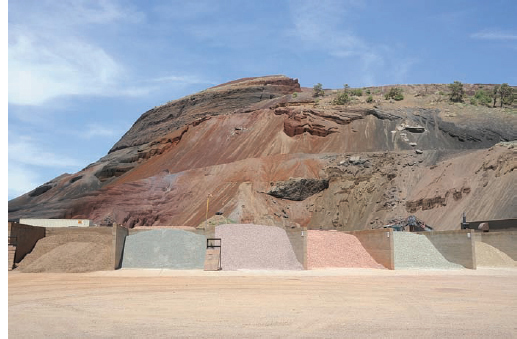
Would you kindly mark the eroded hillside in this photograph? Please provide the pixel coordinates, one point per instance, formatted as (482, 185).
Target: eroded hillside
(269, 152)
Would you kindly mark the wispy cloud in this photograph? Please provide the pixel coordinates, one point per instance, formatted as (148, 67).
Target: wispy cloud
(26, 151)
(99, 131)
(189, 79)
(21, 180)
(28, 160)
(57, 50)
(327, 26)
(494, 34)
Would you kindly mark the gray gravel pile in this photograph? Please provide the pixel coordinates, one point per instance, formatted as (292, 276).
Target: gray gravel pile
(256, 247)
(413, 250)
(165, 248)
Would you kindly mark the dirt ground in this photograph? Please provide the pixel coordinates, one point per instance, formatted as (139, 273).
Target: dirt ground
(344, 303)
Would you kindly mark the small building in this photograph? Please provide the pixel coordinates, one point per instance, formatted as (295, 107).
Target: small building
(56, 222)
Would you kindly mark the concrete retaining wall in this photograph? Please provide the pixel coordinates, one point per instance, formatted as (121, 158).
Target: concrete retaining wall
(379, 243)
(504, 241)
(119, 239)
(26, 237)
(298, 239)
(456, 246)
(50, 231)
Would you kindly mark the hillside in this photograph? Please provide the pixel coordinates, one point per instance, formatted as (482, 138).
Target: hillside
(271, 153)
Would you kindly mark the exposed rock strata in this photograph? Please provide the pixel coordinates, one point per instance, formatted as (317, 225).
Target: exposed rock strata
(233, 140)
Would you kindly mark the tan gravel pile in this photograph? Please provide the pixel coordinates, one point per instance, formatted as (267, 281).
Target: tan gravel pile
(489, 256)
(326, 249)
(70, 253)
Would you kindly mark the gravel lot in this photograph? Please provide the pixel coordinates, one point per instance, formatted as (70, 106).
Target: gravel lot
(337, 303)
(416, 251)
(257, 247)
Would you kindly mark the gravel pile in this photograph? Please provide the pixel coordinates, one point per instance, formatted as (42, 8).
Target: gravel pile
(413, 250)
(69, 253)
(336, 249)
(164, 248)
(256, 247)
(489, 256)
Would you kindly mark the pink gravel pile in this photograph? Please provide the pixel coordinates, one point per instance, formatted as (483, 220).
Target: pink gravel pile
(326, 249)
(255, 247)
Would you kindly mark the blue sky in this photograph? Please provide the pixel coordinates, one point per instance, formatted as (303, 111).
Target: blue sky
(81, 72)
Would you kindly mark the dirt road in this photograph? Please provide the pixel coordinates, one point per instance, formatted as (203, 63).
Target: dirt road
(345, 303)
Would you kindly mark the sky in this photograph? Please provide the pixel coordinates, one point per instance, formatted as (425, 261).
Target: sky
(80, 73)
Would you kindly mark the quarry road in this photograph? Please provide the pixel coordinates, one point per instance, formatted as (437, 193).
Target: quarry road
(340, 303)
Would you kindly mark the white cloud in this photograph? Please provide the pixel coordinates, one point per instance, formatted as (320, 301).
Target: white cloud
(494, 34)
(323, 26)
(26, 151)
(21, 180)
(52, 51)
(44, 68)
(94, 131)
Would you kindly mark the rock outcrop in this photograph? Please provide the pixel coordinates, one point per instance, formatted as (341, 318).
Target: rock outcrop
(356, 165)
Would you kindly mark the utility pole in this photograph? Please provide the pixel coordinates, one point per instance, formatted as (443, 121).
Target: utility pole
(206, 216)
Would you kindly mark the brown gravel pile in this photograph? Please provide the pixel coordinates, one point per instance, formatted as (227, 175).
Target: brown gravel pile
(326, 249)
(489, 256)
(70, 253)
(256, 247)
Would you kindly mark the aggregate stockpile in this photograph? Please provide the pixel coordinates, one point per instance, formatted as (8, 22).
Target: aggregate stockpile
(326, 249)
(165, 248)
(69, 253)
(413, 250)
(255, 247)
(489, 256)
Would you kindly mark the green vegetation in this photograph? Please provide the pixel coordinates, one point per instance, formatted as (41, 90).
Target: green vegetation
(356, 92)
(342, 98)
(457, 92)
(295, 94)
(369, 99)
(318, 90)
(506, 94)
(368, 91)
(395, 93)
(482, 97)
(494, 93)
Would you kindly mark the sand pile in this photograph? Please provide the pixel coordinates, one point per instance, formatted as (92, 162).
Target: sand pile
(413, 250)
(489, 256)
(257, 247)
(165, 248)
(70, 253)
(336, 249)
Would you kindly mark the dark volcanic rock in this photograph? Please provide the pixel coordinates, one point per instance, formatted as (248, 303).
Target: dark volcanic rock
(222, 99)
(298, 189)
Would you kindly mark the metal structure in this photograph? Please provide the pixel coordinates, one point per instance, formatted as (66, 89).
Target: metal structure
(411, 224)
(213, 243)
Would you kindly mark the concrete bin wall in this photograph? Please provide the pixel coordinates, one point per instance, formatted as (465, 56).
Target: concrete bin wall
(119, 239)
(26, 238)
(456, 246)
(298, 239)
(379, 243)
